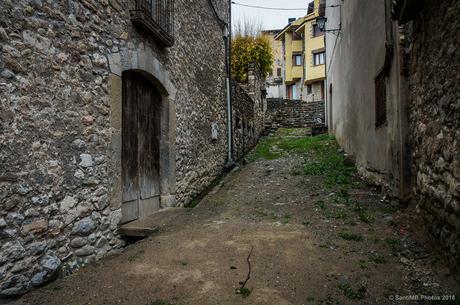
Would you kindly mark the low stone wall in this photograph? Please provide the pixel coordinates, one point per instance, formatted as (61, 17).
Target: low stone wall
(246, 130)
(294, 114)
(249, 106)
(435, 121)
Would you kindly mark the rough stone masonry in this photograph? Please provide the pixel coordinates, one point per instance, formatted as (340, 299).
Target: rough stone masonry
(60, 130)
(435, 120)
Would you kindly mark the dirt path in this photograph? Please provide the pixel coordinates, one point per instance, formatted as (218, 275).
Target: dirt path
(325, 238)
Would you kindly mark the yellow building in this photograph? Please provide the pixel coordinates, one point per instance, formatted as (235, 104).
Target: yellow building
(304, 53)
(275, 79)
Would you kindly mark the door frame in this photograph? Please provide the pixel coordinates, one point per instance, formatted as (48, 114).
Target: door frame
(143, 62)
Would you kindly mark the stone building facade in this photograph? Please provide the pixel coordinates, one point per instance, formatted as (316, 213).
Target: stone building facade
(393, 102)
(434, 95)
(67, 70)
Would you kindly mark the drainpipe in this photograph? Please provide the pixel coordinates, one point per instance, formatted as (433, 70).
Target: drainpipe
(227, 37)
(228, 51)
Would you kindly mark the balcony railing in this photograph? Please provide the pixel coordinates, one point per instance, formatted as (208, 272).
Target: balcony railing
(155, 17)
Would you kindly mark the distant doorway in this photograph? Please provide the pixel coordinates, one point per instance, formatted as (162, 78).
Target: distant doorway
(141, 112)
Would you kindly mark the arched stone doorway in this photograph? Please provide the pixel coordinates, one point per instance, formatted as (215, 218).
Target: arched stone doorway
(154, 183)
(140, 157)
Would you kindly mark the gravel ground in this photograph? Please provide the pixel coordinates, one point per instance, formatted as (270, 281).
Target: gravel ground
(308, 242)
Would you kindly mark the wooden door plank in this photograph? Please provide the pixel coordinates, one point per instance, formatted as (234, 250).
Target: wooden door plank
(149, 141)
(130, 177)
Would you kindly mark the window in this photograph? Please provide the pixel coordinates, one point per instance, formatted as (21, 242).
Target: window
(309, 89)
(380, 99)
(155, 17)
(278, 72)
(317, 31)
(297, 60)
(296, 36)
(311, 8)
(318, 58)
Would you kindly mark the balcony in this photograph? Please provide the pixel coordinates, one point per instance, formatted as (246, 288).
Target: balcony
(155, 17)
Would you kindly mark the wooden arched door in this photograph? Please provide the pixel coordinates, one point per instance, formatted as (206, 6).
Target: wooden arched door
(140, 146)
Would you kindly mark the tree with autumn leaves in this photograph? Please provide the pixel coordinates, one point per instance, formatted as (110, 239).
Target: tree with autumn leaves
(248, 49)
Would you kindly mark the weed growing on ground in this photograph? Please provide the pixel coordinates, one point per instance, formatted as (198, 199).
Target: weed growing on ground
(365, 217)
(351, 293)
(377, 259)
(132, 258)
(320, 204)
(393, 243)
(388, 209)
(306, 223)
(244, 292)
(351, 236)
(192, 204)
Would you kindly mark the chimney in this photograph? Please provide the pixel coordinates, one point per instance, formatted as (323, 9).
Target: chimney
(291, 20)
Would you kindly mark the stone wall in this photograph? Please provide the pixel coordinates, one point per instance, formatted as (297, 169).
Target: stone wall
(249, 106)
(435, 120)
(294, 113)
(60, 129)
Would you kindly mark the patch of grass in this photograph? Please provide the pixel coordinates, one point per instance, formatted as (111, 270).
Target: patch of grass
(320, 204)
(340, 214)
(392, 242)
(161, 302)
(273, 147)
(362, 264)
(365, 217)
(352, 294)
(132, 258)
(244, 292)
(264, 150)
(305, 223)
(351, 236)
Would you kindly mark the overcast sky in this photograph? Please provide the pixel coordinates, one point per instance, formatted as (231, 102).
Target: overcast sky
(270, 19)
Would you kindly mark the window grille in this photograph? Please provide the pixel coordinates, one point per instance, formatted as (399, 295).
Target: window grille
(155, 17)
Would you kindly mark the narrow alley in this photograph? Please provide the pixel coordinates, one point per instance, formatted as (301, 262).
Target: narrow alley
(296, 222)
